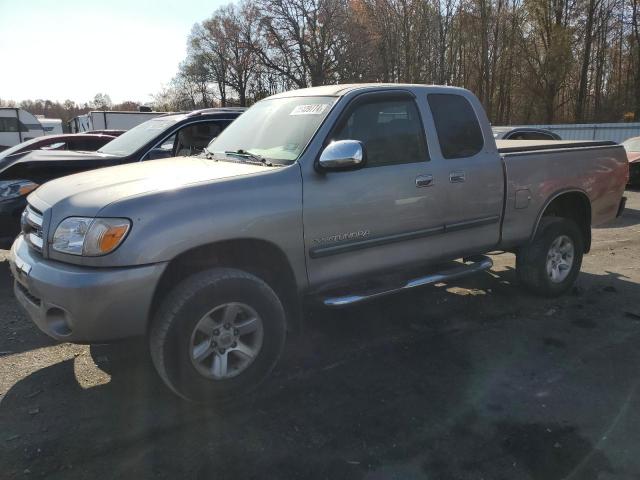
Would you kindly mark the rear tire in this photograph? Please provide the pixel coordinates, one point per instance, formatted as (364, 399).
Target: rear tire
(217, 335)
(550, 264)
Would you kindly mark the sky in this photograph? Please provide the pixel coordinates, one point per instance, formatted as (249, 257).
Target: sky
(73, 49)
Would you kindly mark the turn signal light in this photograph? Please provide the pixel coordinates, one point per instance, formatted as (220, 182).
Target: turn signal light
(112, 237)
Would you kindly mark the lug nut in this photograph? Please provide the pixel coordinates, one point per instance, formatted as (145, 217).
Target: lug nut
(227, 326)
(236, 331)
(216, 332)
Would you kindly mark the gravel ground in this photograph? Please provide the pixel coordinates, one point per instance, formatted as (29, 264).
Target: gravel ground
(471, 380)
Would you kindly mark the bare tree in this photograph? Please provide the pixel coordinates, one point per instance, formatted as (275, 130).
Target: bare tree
(303, 39)
(527, 60)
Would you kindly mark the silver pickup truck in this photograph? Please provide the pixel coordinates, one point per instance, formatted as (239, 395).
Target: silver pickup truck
(337, 194)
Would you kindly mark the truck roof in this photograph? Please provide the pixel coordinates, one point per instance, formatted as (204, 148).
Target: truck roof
(342, 89)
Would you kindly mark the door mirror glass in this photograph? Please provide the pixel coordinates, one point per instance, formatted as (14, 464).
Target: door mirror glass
(342, 155)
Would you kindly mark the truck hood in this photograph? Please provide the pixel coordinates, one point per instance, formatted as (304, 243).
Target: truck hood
(49, 156)
(86, 193)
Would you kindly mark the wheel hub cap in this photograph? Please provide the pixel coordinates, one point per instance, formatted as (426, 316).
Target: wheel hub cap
(226, 341)
(560, 259)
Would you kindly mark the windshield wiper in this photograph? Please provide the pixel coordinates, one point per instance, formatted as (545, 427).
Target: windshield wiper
(248, 155)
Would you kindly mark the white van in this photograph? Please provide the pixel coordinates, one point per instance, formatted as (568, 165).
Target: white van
(17, 126)
(104, 120)
(51, 126)
(80, 124)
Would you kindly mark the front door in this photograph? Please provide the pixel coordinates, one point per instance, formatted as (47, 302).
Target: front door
(387, 214)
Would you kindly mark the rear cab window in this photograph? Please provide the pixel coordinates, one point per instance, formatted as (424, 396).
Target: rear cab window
(457, 125)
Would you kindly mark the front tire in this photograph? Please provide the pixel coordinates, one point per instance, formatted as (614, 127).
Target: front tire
(550, 264)
(217, 335)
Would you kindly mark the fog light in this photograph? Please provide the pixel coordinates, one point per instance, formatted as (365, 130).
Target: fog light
(57, 322)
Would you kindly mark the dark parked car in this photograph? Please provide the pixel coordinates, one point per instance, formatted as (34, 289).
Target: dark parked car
(183, 134)
(524, 133)
(75, 141)
(632, 146)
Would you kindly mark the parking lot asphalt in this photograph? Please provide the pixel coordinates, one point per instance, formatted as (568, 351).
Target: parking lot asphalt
(474, 379)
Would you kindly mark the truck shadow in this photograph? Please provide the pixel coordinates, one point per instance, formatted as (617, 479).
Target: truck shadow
(388, 389)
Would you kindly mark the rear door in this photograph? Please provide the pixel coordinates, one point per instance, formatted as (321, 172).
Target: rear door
(472, 180)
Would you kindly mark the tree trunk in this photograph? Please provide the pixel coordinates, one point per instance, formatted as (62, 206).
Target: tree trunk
(586, 58)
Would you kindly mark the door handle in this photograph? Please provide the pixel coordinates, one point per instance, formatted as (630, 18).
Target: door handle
(424, 181)
(457, 177)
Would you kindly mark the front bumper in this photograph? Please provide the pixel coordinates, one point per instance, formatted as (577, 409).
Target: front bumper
(80, 304)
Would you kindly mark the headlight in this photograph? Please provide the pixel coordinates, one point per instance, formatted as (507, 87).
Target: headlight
(90, 237)
(16, 188)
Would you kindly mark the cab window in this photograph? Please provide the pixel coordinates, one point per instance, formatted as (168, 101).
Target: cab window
(457, 126)
(390, 129)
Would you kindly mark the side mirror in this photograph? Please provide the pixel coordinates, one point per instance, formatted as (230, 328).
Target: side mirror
(342, 155)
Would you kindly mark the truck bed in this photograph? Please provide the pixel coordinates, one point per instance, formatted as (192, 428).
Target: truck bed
(516, 146)
(538, 170)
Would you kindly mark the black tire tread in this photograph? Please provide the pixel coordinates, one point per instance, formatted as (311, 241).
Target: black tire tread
(531, 258)
(175, 301)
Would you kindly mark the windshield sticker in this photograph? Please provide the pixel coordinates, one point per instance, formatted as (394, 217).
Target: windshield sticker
(314, 109)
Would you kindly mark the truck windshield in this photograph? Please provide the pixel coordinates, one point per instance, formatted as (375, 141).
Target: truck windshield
(132, 140)
(278, 129)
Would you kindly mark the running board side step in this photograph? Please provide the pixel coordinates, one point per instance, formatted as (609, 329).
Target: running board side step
(472, 265)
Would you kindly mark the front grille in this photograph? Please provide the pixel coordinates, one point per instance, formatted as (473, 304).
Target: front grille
(25, 291)
(31, 224)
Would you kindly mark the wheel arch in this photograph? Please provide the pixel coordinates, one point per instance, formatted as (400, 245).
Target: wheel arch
(259, 257)
(573, 204)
